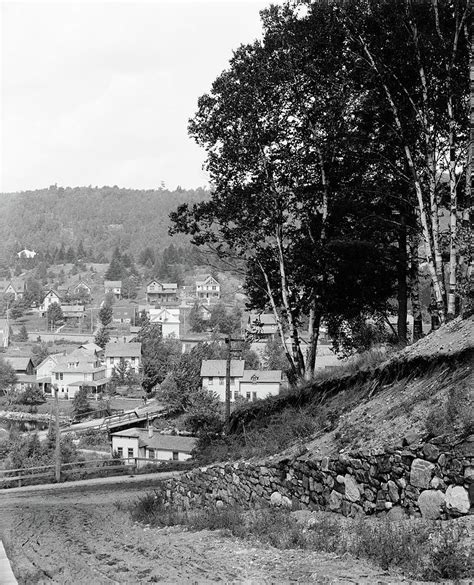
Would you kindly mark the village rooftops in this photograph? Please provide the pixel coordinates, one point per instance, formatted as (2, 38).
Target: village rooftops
(113, 284)
(158, 441)
(123, 350)
(211, 368)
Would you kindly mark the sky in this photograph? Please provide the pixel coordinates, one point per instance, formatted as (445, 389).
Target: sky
(100, 93)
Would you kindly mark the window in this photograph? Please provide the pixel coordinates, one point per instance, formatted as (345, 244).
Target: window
(120, 452)
(175, 455)
(151, 453)
(133, 360)
(248, 395)
(254, 396)
(211, 380)
(221, 380)
(111, 361)
(57, 376)
(130, 452)
(61, 376)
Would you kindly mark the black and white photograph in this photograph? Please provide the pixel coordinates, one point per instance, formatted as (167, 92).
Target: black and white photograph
(236, 292)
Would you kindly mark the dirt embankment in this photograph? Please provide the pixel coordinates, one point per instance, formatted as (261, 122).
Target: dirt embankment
(78, 535)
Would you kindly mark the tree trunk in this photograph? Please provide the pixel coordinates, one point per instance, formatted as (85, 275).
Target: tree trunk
(402, 291)
(314, 326)
(415, 289)
(295, 339)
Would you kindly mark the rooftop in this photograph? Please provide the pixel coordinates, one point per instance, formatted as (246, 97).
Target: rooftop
(261, 376)
(218, 368)
(158, 441)
(132, 349)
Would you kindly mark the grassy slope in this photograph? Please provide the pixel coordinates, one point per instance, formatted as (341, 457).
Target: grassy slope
(424, 389)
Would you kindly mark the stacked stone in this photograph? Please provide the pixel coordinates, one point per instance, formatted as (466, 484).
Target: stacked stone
(431, 480)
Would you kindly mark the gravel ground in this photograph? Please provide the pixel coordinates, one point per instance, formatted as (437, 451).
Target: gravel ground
(77, 535)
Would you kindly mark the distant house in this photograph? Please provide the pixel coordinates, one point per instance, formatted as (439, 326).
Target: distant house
(4, 333)
(124, 313)
(258, 384)
(136, 443)
(73, 312)
(213, 373)
(24, 370)
(131, 353)
(247, 384)
(26, 253)
(79, 369)
(262, 325)
(114, 287)
(49, 299)
(82, 288)
(208, 289)
(204, 312)
(14, 288)
(169, 320)
(44, 372)
(161, 292)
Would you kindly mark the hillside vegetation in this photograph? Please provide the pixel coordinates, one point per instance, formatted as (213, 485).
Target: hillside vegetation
(424, 390)
(101, 217)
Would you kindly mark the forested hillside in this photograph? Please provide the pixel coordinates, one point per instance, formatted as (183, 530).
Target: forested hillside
(101, 217)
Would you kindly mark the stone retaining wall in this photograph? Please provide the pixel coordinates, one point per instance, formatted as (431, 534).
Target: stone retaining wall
(427, 479)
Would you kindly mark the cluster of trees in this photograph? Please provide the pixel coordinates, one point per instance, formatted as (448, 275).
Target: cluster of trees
(102, 217)
(334, 144)
(105, 317)
(221, 319)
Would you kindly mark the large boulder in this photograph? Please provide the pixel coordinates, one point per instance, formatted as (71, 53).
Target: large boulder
(335, 501)
(352, 491)
(430, 503)
(421, 473)
(457, 499)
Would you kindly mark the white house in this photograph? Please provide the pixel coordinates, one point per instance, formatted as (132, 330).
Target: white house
(114, 287)
(131, 353)
(258, 384)
(247, 384)
(136, 443)
(208, 289)
(213, 373)
(79, 369)
(44, 371)
(26, 253)
(50, 298)
(169, 320)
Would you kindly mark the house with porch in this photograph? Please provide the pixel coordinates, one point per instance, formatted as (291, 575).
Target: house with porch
(114, 287)
(208, 289)
(79, 369)
(159, 293)
(131, 353)
(73, 313)
(44, 372)
(142, 446)
(124, 314)
(83, 289)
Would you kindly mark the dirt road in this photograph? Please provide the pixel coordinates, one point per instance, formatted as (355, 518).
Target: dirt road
(78, 535)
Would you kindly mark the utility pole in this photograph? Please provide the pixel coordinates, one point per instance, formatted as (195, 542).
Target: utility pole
(57, 454)
(228, 341)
